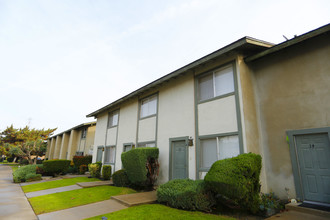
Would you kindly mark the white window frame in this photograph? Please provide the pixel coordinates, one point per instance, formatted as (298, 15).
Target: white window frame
(111, 121)
(213, 73)
(217, 138)
(145, 105)
(109, 158)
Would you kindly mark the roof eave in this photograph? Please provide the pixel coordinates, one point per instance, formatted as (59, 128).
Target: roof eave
(235, 45)
(288, 43)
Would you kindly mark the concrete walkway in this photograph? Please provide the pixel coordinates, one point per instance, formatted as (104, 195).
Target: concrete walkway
(85, 211)
(95, 183)
(13, 203)
(51, 191)
(136, 198)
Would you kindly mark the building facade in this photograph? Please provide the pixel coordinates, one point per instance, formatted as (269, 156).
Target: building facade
(78, 140)
(250, 96)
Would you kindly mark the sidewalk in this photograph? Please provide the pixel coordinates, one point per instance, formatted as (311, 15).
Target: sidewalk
(13, 203)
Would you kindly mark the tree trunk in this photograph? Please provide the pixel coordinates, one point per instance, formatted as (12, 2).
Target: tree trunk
(15, 158)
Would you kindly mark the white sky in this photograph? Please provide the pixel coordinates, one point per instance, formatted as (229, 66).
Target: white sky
(63, 59)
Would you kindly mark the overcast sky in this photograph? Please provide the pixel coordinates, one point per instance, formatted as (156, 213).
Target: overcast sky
(63, 59)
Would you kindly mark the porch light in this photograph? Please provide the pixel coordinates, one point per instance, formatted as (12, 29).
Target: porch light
(190, 141)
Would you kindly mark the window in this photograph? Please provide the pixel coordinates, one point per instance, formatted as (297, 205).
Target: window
(99, 154)
(127, 147)
(218, 148)
(150, 144)
(113, 119)
(109, 154)
(217, 83)
(148, 106)
(83, 133)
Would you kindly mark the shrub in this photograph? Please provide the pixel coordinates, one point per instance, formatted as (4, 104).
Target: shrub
(39, 161)
(270, 204)
(83, 168)
(53, 167)
(72, 169)
(23, 161)
(33, 177)
(95, 169)
(10, 159)
(106, 172)
(120, 178)
(141, 165)
(20, 174)
(82, 160)
(40, 169)
(186, 194)
(236, 181)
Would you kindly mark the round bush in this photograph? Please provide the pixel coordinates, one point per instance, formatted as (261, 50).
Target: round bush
(53, 167)
(95, 169)
(237, 180)
(20, 174)
(186, 194)
(120, 178)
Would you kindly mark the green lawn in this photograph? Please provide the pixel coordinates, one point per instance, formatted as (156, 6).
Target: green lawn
(159, 212)
(56, 183)
(69, 199)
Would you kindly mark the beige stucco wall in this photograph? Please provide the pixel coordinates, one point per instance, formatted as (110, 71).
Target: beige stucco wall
(64, 145)
(176, 118)
(127, 127)
(112, 136)
(293, 92)
(90, 140)
(218, 116)
(147, 129)
(100, 132)
(57, 149)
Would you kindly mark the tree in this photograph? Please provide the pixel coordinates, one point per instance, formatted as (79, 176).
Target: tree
(25, 142)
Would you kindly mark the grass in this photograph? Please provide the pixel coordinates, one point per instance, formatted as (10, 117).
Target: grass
(69, 199)
(56, 183)
(159, 212)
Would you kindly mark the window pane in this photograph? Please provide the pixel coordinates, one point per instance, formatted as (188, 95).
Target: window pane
(228, 147)
(107, 155)
(148, 106)
(112, 154)
(151, 145)
(224, 81)
(152, 107)
(205, 87)
(113, 119)
(127, 148)
(208, 152)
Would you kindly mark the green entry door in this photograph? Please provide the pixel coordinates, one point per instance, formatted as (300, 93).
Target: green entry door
(179, 159)
(314, 164)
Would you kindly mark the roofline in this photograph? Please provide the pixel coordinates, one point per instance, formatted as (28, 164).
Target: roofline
(288, 43)
(204, 59)
(88, 124)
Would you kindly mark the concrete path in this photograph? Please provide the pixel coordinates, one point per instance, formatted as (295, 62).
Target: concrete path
(95, 183)
(13, 203)
(136, 198)
(51, 191)
(85, 211)
(295, 215)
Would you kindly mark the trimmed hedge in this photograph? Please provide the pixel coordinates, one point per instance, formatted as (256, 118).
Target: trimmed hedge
(53, 167)
(106, 172)
(186, 194)
(33, 177)
(20, 175)
(83, 168)
(95, 169)
(82, 160)
(237, 180)
(120, 178)
(138, 163)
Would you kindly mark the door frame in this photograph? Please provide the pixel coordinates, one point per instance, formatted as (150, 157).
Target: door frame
(171, 140)
(294, 155)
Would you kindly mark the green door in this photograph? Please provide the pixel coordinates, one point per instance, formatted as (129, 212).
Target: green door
(179, 160)
(314, 164)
